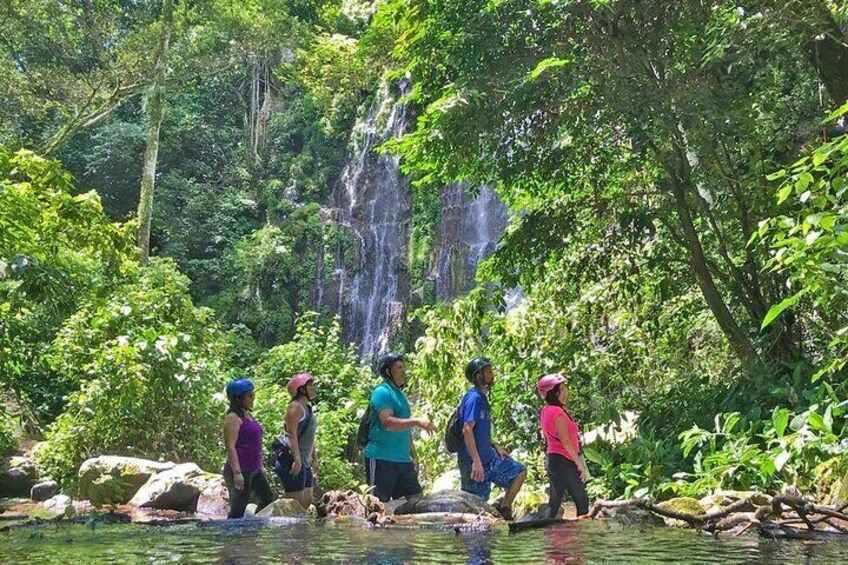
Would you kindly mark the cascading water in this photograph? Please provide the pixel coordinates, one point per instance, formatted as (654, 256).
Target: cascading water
(373, 204)
(468, 233)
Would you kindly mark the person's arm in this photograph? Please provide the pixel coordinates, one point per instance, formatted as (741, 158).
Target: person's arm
(471, 445)
(293, 413)
(232, 425)
(501, 451)
(570, 448)
(392, 423)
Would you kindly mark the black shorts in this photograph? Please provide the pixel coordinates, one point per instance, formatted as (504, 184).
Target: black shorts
(293, 483)
(391, 480)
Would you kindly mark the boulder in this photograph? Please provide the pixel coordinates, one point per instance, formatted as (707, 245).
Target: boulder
(111, 479)
(721, 498)
(283, 508)
(62, 504)
(337, 503)
(831, 481)
(632, 516)
(44, 490)
(449, 480)
(453, 501)
(175, 489)
(214, 498)
(683, 505)
(17, 476)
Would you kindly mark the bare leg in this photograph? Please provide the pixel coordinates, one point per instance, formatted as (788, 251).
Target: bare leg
(307, 497)
(304, 497)
(513, 489)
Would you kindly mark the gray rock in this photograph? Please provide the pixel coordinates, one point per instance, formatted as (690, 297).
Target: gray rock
(44, 490)
(543, 512)
(175, 489)
(282, 507)
(214, 498)
(17, 476)
(446, 501)
(112, 479)
(63, 504)
(633, 516)
(449, 480)
(336, 503)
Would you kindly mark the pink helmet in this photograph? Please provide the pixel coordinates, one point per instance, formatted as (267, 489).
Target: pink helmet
(548, 382)
(298, 381)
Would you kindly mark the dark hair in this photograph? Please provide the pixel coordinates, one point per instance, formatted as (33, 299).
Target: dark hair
(386, 362)
(552, 397)
(237, 406)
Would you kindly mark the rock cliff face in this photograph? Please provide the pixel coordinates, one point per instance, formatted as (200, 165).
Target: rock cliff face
(373, 205)
(470, 227)
(367, 279)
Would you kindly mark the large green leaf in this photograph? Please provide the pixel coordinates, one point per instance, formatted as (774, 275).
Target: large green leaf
(777, 309)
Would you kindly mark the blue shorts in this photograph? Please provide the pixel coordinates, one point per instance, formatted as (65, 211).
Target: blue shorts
(500, 470)
(293, 483)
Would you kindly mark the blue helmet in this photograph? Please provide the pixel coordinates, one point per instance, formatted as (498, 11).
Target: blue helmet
(238, 387)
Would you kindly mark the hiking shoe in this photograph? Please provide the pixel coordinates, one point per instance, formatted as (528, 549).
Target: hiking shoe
(506, 513)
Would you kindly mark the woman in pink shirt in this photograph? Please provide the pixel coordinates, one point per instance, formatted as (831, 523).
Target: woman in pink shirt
(566, 468)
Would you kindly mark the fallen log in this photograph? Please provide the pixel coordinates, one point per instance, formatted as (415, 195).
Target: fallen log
(772, 530)
(696, 520)
(784, 510)
(515, 527)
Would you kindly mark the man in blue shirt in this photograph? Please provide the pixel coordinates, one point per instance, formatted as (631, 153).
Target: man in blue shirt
(390, 462)
(482, 462)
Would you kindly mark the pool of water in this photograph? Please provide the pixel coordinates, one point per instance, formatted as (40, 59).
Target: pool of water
(584, 542)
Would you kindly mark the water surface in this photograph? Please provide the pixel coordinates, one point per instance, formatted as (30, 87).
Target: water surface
(319, 543)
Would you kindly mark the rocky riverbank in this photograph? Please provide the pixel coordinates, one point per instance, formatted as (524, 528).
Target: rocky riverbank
(128, 489)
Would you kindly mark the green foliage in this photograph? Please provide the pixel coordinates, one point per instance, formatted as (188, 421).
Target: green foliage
(8, 433)
(58, 252)
(305, 158)
(148, 366)
(270, 274)
(766, 455)
(810, 245)
(344, 388)
(331, 70)
(641, 467)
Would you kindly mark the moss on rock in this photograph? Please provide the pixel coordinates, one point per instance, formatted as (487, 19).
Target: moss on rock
(684, 505)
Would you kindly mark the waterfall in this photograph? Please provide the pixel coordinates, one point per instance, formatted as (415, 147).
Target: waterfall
(468, 233)
(373, 205)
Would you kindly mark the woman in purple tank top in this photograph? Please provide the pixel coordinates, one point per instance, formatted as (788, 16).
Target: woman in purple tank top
(243, 470)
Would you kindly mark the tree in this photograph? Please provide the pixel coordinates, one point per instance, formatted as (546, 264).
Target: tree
(67, 65)
(155, 109)
(681, 107)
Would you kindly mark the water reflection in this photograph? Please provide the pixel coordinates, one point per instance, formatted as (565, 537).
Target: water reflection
(478, 548)
(562, 545)
(325, 543)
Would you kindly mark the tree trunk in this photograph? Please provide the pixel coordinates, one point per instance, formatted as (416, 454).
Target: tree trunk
(824, 44)
(739, 341)
(155, 108)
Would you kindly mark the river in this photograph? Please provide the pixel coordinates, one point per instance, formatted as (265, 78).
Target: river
(346, 542)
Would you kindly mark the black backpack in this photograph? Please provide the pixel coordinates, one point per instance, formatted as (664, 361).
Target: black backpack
(364, 429)
(453, 432)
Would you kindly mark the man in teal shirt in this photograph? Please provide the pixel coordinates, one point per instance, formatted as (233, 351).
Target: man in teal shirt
(390, 463)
